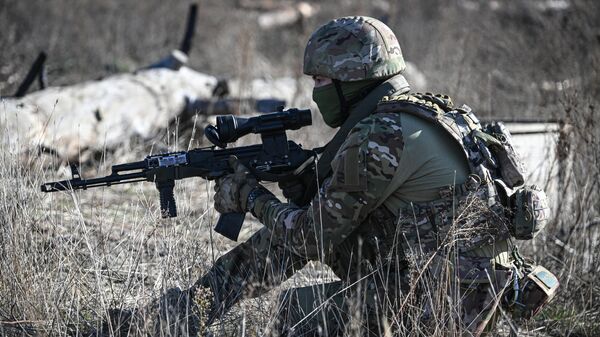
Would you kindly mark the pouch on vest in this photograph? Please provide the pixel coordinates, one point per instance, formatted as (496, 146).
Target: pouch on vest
(530, 293)
(509, 163)
(529, 212)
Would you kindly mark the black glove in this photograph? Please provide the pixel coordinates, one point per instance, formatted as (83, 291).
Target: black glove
(301, 189)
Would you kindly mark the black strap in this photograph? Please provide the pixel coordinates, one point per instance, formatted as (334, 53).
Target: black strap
(344, 106)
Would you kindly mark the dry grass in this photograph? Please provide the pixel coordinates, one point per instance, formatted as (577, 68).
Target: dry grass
(65, 259)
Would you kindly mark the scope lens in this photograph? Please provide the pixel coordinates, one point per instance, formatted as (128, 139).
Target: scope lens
(226, 127)
(305, 117)
(299, 119)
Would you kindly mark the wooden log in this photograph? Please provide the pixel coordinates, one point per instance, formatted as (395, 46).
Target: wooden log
(91, 116)
(76, 122)
(286, 15)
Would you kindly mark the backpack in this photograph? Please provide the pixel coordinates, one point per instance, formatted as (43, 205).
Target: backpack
(497, 174)
(495, 166)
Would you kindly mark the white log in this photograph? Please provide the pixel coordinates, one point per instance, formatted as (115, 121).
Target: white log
(97, 114)
(92, 116)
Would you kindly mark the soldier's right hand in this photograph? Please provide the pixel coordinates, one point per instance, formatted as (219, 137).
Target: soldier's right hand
(231, 191)
(297, 190)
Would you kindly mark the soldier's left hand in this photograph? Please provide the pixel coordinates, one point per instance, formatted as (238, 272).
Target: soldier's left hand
(232, 190)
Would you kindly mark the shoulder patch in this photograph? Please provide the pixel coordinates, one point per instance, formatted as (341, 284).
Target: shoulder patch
(349, 164)
(371, 153)
(384, 146)
(349, 171)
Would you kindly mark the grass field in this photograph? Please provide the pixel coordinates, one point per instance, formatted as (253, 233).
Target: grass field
(66, 258)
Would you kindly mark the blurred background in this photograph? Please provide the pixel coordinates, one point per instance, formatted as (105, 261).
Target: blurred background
(65, 259)
(507, 58)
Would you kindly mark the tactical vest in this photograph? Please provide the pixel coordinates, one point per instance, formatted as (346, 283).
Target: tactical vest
(490, 207)
(476, 211)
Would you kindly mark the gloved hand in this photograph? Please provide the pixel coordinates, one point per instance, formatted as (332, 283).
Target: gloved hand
(231, 191)
(299, 190)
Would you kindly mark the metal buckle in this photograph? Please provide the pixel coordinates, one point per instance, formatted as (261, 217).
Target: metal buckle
(473, 182)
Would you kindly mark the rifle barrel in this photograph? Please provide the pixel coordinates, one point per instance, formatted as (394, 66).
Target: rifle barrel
(82, 184)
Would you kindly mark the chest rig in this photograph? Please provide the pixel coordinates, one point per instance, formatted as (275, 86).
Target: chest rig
(472, 212)
(493, 205)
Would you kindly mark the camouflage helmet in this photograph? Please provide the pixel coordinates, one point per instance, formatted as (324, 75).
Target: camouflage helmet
(353, 49)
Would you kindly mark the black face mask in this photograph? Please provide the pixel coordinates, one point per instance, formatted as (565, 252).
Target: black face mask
(336, 99)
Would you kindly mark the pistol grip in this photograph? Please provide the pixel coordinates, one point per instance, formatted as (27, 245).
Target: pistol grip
(230, 224)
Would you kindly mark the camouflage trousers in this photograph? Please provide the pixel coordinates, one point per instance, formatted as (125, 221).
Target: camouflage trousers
(332, 309)
(434, 294)
(362, 308)
(460, 307)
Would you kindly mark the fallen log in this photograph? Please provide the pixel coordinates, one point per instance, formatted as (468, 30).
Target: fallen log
(95, 115)
(75, 122)
(286, 15)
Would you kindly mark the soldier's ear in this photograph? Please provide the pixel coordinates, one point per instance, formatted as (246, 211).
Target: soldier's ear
(321, 81)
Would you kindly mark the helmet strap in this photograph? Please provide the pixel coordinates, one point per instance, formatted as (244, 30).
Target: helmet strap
(344, 106)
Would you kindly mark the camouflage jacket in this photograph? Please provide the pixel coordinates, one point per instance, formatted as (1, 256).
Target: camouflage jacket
(362, 169)
(352, 223)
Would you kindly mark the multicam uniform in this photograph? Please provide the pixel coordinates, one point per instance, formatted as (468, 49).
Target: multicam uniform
(408, 216)
(391, 165)
(414, 216)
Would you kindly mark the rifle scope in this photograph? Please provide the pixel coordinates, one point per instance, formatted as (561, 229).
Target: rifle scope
(230, 128)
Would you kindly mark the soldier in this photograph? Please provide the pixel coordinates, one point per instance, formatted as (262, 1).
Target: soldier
(408, 210)
(383, 214)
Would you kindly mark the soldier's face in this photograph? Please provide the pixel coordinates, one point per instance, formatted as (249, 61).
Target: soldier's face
(321, 81)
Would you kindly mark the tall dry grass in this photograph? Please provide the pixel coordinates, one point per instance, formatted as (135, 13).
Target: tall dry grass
(65, 259)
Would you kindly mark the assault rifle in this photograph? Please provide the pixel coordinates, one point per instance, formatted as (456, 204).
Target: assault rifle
(276, 159)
